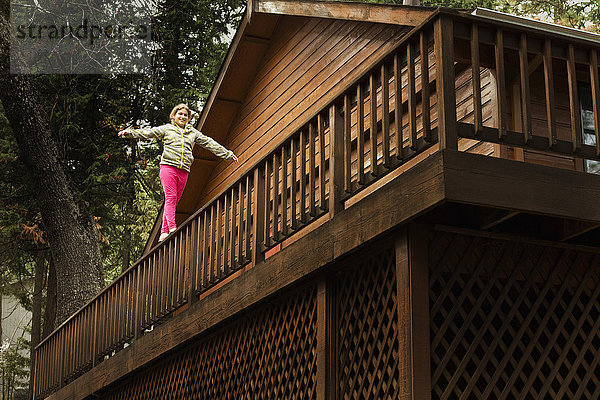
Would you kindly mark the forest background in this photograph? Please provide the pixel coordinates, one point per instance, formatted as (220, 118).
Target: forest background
(118, 179)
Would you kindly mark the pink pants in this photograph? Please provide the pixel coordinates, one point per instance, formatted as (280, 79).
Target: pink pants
(173, 182)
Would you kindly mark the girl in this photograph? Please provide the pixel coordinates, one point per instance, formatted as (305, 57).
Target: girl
(178, 139)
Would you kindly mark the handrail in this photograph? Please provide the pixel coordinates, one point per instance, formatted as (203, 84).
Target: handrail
(336, 153)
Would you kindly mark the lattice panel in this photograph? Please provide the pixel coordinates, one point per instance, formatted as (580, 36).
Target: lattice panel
(367, 330)
(513, 321)
(269, 354)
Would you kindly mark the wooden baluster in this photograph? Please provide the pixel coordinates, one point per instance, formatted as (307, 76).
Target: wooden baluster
(182, 237)
(249, 215)
(275, 208)
(206, 253)
(172, 254)
(293, 191)
(302, 177)
(259, 222)
(234, 224)
(347, 144)
(398, 106)
(595, 83)
(240, 227)
(385, 115)
(321, 134)
(267, 204)
(373, 124)
(412, 96)
(311, 169)
(445, 77)
(218, 273)
(360, 129)
(476, 78)
(525, 92)
(226, 235)
(425, 96)
(194, 252)
(140, 302)
(284, 200)
(573, 100)
(549, 81)
(156, 263)
(501, 85)
(337, 161)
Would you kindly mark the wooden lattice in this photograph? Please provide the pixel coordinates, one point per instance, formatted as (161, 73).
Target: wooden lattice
(269, 354)
(513, 321)
(368, 348)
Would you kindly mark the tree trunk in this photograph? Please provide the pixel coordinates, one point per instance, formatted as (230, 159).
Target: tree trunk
(36, 313)
(50, 311)
(71, 230)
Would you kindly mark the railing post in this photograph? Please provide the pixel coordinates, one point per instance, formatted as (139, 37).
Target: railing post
(445, 76)
(258, 223)
(336, 160)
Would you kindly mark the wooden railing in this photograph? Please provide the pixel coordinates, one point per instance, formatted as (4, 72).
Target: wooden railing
(372, 128)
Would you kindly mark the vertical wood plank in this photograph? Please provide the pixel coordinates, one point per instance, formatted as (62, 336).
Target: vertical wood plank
(501, 85)
(284, 186)
(549, 86)
(425, 95)
(398, 106)
(206, 253)
(573, 99)
(476, 78)
(311, 170)
(413, 313)
(321, 134)
(595, 83)
(302, 177)
(240, 227)
(337, 160)
(293, 190)
(218, 274)
(412, 96)
(385, 115)
(525, 91)
(194, 250)
(267, 204)
(446, 94)
(226, 233)
(275, 207)
(360, 128)
(373, 124)
(250, 190)
(235, 221)
(347, 145)
(258, 223)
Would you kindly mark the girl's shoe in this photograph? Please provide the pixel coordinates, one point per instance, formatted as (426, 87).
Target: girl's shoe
(163, 236)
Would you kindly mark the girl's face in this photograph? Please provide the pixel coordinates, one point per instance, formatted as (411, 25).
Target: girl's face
(181, 117)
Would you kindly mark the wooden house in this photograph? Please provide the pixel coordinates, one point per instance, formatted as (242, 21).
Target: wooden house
(416, 216)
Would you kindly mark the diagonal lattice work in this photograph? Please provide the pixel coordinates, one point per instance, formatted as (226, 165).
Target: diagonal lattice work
(367, 329)
(513, 320)
(268, 354)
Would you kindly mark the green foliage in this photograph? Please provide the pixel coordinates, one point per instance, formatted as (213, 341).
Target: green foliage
(14, 368)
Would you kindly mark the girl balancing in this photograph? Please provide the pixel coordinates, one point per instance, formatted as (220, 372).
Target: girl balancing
(178, 139)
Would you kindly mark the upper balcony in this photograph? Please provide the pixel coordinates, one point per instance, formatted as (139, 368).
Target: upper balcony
(437, 129)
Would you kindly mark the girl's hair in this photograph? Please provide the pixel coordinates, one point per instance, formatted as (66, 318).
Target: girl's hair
(179, 107)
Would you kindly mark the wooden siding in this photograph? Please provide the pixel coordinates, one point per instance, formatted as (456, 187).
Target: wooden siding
(311, 60)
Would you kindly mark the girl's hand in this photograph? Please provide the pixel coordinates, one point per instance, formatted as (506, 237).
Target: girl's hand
(234, 159)
(124, 133)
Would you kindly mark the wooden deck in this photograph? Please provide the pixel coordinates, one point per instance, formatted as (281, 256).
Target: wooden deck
(380, 155)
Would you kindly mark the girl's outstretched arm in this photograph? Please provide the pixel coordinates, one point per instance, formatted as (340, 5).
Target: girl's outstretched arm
(157, 132)
(212, 145)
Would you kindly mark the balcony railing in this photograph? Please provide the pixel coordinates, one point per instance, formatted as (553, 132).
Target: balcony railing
(445, 83)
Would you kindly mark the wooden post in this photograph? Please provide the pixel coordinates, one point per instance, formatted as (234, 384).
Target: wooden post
(258, 223)
(322, 342)
(413, 313)
(444, 59)
(336, 159)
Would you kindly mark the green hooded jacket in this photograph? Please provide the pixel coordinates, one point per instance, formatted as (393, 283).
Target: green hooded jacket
(179, 142)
